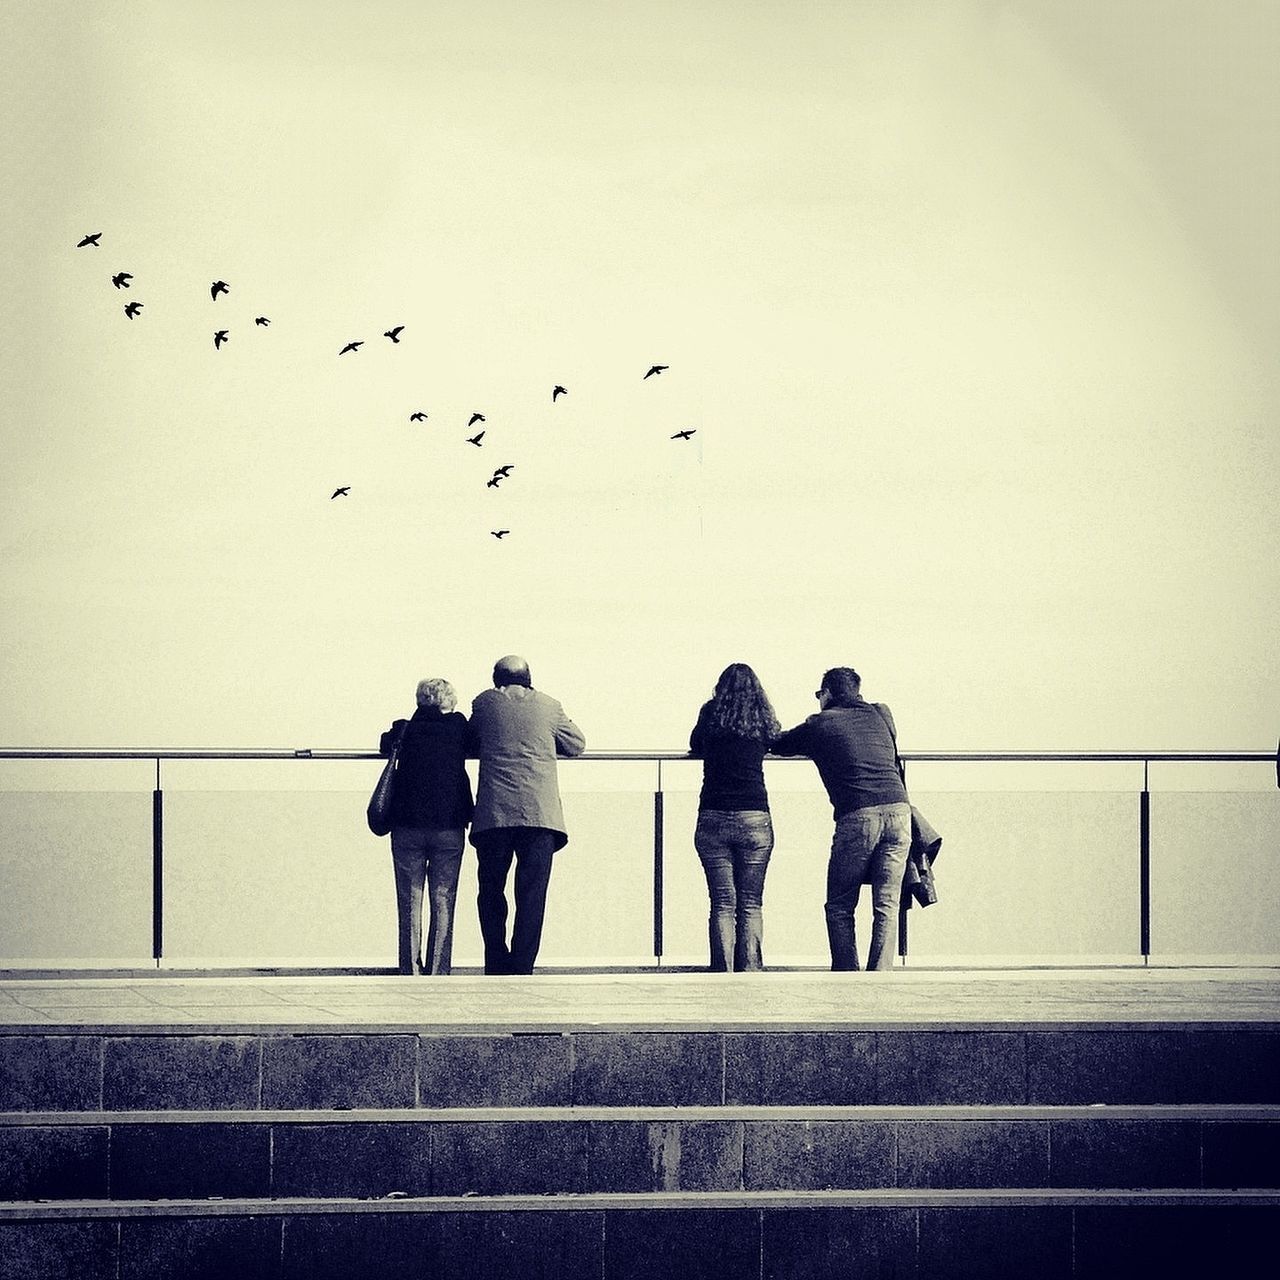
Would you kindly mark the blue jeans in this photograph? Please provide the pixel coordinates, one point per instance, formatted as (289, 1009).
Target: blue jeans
(420, 855)
(734, 846)
(870, 843)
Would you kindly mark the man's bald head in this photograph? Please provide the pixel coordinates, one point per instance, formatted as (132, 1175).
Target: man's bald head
(512, 669)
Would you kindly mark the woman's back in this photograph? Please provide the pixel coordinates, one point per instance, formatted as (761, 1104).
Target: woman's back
(432, 789)
(732, 770)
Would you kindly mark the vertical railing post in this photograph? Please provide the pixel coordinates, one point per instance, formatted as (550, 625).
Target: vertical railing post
(1144, 864)
(657, 869)
(902, 903)
(157, 869)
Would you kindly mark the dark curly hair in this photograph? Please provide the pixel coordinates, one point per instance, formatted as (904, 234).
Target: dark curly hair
(740, 707)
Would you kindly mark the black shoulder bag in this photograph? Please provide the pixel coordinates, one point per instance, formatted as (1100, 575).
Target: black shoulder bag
(379, 811)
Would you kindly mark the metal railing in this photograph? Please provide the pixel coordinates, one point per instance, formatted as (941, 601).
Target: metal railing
(1145, 758)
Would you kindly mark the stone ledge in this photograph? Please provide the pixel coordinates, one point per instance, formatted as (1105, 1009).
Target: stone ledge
(1210, 1112)
(885, 1197)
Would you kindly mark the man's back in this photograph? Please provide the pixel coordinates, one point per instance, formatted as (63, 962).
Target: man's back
(517, 733)
(855, 754)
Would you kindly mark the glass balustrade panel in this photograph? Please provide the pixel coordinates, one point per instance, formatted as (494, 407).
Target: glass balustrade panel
(75, 863)
(1031, 878)
(1215, 877)
(283, 869)
(271, 863)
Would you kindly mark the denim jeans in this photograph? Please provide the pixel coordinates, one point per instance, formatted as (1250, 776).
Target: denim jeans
(533, 849)
(868, 843)
(734, 846)
(420, 855)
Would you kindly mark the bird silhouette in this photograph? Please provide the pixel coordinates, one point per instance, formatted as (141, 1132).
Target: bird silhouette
(499, 533)
(504, 470)
(475, 440)
(340, 493)
(121, 279)
(475, 417)
(132, 309)
(657, 368)
(91, 240)
(351, 346)
(684, 435)
(559, 391)
(394, 334)
(217, 287)
(494, 483)
(219, 338)
(262, 320)
(418, 417)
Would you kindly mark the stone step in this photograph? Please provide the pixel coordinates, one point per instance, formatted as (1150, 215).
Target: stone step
(124, 1068)
(553, 1151)
(1069, 1234)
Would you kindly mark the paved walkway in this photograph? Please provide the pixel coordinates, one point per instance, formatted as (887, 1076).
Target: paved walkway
(468, 1002)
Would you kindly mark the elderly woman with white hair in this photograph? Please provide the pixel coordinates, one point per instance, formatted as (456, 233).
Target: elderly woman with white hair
(431, 806)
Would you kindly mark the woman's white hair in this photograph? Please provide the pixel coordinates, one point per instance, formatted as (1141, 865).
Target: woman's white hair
(437, 693)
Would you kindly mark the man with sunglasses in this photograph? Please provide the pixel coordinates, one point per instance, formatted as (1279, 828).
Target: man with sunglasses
(853, 744)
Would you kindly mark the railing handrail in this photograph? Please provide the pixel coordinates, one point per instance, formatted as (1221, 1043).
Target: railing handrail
(343, 753)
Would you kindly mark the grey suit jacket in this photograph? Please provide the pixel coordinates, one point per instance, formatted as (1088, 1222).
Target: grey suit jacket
(517, 733)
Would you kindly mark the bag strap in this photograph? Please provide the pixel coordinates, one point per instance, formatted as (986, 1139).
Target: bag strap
(893, 737)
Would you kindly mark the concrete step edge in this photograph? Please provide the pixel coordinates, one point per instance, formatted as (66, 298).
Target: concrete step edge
(25, 1211)
(427, 1027)
(728, 1113)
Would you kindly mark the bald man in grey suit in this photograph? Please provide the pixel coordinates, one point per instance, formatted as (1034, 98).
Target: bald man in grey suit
(517, 733)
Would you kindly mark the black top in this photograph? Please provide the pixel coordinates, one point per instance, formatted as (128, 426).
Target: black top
(432, 789)
(854, 750)
(732, 769)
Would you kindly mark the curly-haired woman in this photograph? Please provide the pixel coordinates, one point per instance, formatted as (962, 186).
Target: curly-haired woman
(734, 835)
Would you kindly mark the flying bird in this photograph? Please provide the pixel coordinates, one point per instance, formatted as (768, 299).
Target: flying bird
(418, 417)
(504, 470)
(559, 391)
(475, 417)
(657, 368)
(132, 309)
(475, 440)
(217, 287)
(93, 240)
(262, 320)
(499, 533)
(493, 484)
(340, 493)
(121, 279)
(684, 435)
(351, 346)
(219, 338)
(394, 334)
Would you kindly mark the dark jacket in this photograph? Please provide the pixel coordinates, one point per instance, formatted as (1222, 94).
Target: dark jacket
(917, 880)
(854, 750)
(432, 789)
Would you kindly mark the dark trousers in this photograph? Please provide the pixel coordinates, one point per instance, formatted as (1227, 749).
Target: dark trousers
(533, 849)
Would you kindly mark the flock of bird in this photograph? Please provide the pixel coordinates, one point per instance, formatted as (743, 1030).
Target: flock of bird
(133, 308)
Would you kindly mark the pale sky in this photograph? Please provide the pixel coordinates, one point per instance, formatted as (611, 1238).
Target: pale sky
(973, 306)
